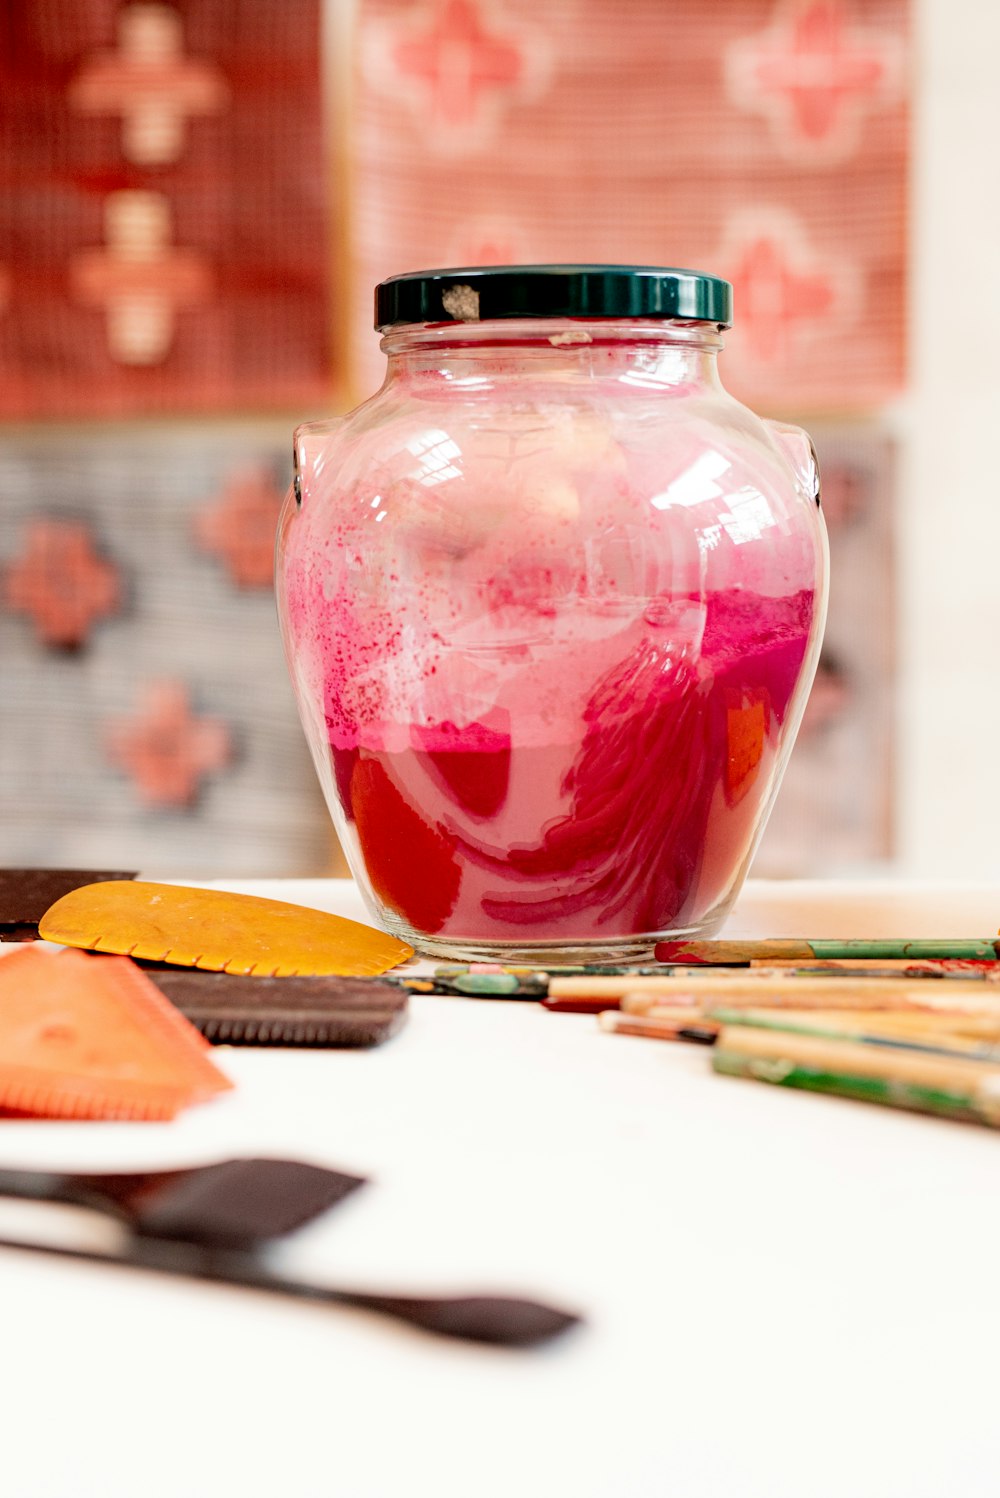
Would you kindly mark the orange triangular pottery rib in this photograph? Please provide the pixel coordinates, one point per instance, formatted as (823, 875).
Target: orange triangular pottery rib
(94, 1038)
(222, 932)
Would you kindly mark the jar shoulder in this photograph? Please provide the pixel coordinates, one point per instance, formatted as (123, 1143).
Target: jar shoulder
(697, 436)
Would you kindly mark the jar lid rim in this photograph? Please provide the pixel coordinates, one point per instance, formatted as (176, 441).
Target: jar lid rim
(481, 293)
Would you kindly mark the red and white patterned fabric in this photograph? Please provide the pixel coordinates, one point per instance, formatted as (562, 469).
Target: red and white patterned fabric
(764, 140)
(165, 242)
(163, 207)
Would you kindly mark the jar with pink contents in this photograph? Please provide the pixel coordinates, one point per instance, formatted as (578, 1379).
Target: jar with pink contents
(552, 602)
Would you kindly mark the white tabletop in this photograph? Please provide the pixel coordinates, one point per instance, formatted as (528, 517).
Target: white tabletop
(785, 1294)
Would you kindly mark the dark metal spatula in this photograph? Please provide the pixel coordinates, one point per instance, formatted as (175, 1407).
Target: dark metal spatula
(500, 1320)
(235, 1204)
(207, 1221)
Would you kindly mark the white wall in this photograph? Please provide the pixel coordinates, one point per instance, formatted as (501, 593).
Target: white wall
(948, 505)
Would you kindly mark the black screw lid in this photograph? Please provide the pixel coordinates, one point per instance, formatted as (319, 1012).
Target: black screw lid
(482, 293)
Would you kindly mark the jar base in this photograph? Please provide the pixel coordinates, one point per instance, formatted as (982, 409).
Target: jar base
(611, 951)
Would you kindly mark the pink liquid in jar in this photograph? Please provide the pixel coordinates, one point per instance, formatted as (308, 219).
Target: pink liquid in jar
(550, 695)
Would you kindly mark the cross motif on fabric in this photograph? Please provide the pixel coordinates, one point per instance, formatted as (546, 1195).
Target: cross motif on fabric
(458, 67)
(150, 83)
(61, 583)
(843, 494)
(830, 696)
(165, 749)
(140, 280)
(776, 292)
(815, 76)
(240, 527)
(488, 242)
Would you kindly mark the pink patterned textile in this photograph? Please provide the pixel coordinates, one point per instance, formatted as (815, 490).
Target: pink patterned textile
(764, 140)
(162, 207)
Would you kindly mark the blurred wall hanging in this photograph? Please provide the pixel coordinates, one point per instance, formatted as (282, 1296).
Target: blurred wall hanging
(163, 208)
(763, 139)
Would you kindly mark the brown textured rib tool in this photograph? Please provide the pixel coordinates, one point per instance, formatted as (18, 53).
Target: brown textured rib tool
(320, 1012)
(26, 894)
(222, 932)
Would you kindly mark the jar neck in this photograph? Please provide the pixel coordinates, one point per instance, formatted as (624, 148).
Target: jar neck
(643, 352)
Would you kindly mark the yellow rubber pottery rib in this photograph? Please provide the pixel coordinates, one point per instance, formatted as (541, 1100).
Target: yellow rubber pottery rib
(221, 932)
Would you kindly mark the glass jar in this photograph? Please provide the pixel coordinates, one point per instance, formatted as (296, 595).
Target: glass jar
(552, 602)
